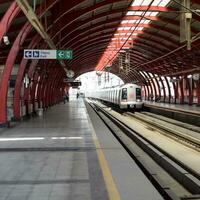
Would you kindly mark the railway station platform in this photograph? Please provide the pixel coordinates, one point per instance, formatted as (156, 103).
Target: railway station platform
(182, 112)
(68, 154)
(179, 107)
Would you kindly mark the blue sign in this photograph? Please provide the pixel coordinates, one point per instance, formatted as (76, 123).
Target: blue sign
(48, 54)
(28, 54)
(36, 54)
(31, 54)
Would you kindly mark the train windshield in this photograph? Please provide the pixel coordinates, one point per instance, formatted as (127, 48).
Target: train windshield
(124, 94)
(138, 93)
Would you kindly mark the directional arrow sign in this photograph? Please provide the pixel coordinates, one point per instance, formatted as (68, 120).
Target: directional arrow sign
(61, 54)
(64, 54)
(48, 54)
(27, 54)
(36, 54)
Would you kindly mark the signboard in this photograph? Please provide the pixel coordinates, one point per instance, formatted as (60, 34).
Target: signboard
(48, 54)
(70, 82)
(75, 84)
(64, 54)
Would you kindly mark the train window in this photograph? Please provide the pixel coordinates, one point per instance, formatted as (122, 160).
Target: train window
(124, 93)
(138, 93)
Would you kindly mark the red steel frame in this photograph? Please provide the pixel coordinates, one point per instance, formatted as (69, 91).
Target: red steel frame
(80, 41)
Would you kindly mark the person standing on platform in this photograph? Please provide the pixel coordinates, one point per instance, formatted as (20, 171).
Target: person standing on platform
(64, 98)
(67, 96)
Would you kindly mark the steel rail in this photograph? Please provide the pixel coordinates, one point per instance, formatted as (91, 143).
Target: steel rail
(183, 174)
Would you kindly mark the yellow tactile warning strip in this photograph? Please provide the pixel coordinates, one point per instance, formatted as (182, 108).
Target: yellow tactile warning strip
(107, 176)
(110, 184)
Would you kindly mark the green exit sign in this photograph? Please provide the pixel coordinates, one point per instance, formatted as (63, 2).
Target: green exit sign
(64, 54)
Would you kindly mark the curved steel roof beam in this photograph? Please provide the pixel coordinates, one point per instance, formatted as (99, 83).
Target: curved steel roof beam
(86, 54)
(65, 21)
(84, 44)
(139, 54)
(91, 59)
(152, 42)
(86, 49)
(89, 49)
(8, 18)
(104, 36)
(90, 11)
(104, 14)
(179, 52)
(80, 56)
(151, 8)
(76, 15)
(105, 27)
(139, 58)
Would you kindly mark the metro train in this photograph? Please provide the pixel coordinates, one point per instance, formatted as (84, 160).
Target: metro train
(127, 96)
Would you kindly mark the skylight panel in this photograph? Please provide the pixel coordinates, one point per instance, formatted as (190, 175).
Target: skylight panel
(148, 13)
(130, 29)
(164, 2)
(130, 13)
(142, 21)
(124, 22)
(138, 13)
(124, 38)
(156, 2)
(136, 3)
(146, 2)
(127, 28)
(146, 21)
(153, 13)
(139, 28)
(132, 21)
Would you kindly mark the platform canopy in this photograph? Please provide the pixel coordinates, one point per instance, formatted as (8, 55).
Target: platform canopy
(114, 33)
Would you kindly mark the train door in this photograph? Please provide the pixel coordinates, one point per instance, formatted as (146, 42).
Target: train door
(123, 98)
(118, 96)
(124, 94)
(115, 96)
(131, 94)
(138, 94)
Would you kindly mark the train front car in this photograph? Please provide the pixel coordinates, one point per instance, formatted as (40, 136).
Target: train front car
(131, 97)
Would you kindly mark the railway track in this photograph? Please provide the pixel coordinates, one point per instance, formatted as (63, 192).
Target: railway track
(173, 179)
(184, 135)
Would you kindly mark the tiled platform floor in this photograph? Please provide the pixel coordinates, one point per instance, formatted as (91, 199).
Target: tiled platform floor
(54, 158)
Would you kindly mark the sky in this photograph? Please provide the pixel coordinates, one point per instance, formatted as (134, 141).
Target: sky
(90, 81)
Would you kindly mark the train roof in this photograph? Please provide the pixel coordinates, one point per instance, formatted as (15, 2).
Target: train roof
(129, 84)
(121, 86)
